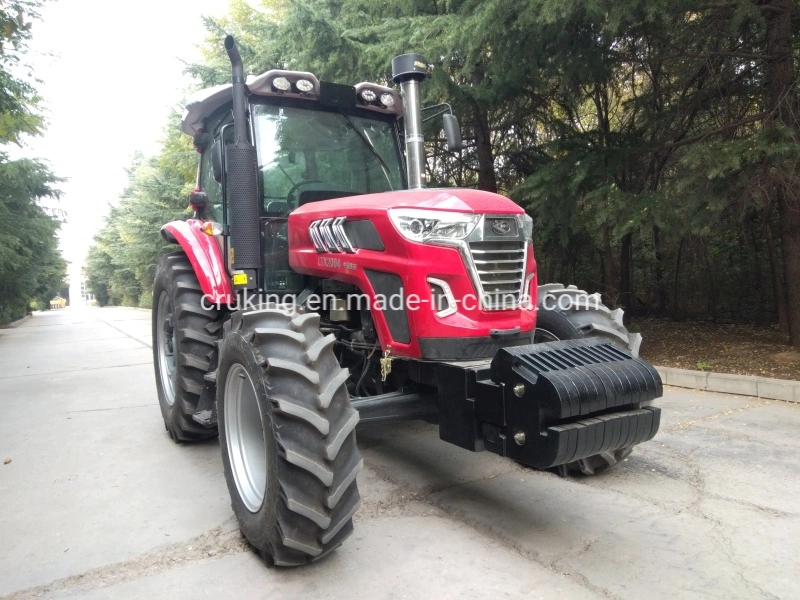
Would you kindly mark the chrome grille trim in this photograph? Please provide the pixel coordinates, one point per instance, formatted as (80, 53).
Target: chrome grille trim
(328, 235)
(499, 269)
(494, 262)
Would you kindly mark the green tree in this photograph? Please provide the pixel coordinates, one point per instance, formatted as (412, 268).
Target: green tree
(654, 142)
(31, 265)
(18, 98)
(120, 266)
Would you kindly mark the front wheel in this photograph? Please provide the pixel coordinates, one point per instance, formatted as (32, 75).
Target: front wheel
(184, 338)
(568, 313)
(287, 435)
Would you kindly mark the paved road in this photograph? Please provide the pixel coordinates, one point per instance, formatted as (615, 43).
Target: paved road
(97, 502)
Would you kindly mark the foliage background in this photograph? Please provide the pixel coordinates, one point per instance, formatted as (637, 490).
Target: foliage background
(31, 266)
(655, 142)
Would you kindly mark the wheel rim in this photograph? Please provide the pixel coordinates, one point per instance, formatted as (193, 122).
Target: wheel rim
(244, 432)
(166, 347)
(541, 336)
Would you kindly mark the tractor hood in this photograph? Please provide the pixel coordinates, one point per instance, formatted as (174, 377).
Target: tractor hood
(447, 199)
(482, 274)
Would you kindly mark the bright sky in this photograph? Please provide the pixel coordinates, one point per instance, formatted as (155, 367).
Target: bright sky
(111, 73)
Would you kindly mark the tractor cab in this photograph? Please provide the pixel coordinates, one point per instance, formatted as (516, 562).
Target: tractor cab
(313, 141)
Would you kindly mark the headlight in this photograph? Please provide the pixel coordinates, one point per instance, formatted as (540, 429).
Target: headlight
(433, 225)
(525, 223)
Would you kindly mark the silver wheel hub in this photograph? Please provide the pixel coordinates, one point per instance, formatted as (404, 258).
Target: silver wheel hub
(166, 347)
(543, 335)
(244, 433)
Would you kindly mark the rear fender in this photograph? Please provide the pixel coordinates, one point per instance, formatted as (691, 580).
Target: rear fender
(204, 254)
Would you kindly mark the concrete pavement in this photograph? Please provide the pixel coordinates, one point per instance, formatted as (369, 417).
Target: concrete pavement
(97, 502)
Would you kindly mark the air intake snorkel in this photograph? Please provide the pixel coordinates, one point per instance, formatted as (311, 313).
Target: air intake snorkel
(408, 71)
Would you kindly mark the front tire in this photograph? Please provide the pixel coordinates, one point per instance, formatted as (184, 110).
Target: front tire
(287, 435)
(568, 313)
(184, 338)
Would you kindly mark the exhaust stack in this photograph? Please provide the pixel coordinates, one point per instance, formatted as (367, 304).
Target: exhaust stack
(408, 71)
(241, 167)
(239, 91)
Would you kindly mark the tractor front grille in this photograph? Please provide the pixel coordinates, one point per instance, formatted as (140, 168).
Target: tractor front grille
(500, 270)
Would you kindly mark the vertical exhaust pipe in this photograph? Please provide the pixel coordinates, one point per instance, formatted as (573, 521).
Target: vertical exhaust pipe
(239, 91)
(408, 71)
(241, 177)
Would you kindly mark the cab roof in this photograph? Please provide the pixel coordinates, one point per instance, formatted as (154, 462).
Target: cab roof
(285, 84)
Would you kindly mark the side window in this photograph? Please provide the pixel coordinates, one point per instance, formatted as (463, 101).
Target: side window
(211, 186)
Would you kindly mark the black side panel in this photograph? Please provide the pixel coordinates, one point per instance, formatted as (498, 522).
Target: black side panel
(390, 286)
(362, 234)
(469, 348)
(457, 423)
(242, 181)
(337, 95)
(278, 275)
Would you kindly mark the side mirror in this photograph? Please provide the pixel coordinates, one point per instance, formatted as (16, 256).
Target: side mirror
(201, 141)
(216, 160)
(198, 199)
(452, 132)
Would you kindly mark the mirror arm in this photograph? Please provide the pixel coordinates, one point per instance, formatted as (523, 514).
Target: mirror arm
(443, 108)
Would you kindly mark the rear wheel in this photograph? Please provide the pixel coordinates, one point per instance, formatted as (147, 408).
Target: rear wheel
(184, 338)
(567, 313)
(287, 435)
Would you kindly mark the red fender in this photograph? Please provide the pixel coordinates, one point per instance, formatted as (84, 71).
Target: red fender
(205, 256)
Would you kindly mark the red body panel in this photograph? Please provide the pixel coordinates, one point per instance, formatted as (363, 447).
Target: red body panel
(455, 200)
(204, 254)
(413, 262)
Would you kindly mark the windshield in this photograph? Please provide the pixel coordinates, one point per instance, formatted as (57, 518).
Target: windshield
(309, 155)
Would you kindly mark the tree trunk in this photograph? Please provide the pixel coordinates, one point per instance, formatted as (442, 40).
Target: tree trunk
(757, 273)
(781, 96)
(661, 290)
(776, 268)
(712, 289)
(675, 301)
(625, 292)
(610, 268)
(789, 210)
(487, 178)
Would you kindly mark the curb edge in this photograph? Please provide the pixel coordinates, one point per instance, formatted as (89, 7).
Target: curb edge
(742, 385)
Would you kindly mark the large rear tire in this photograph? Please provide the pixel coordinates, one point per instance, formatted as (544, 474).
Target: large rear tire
(567, 313)
(184, 338)
(287, 435)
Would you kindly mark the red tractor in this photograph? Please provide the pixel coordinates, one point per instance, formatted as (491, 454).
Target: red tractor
(320, 285)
